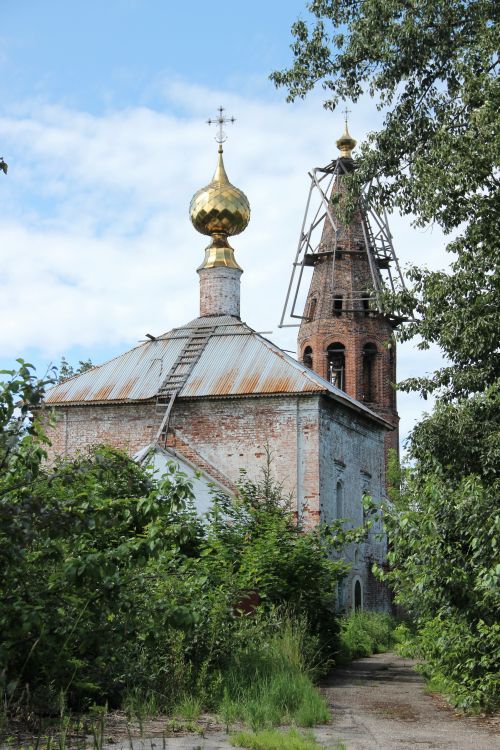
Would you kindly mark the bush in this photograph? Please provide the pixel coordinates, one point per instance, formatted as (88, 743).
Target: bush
(364, 633)
(461, 662)
(443, 527)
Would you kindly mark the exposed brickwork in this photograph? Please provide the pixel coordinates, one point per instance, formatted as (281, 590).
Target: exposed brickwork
(180, 446)
(352, 464)
(233, 434)
(220, 291)
(126, 426)
(339, 312)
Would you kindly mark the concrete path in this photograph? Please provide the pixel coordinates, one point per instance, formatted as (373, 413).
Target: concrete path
(380, 703)
(377, 703)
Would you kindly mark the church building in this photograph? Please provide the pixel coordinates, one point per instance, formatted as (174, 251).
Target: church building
(213, 394)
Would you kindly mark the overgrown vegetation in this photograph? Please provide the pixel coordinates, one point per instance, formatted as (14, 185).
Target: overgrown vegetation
(115, 593)
(363, 634)
(444, 529)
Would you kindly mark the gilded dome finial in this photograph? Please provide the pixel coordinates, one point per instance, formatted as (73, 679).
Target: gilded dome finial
(220, 209)
(346, 142)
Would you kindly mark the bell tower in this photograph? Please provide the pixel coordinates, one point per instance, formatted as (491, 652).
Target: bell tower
(345, 335)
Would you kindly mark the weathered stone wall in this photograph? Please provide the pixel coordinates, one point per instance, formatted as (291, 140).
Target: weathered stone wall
(220, 435)
(233, 433)
(351, 464)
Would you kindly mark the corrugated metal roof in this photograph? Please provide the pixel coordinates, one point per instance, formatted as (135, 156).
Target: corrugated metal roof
(132, 376)
(236, 361)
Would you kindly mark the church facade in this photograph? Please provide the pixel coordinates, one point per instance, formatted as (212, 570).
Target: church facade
(214, 395)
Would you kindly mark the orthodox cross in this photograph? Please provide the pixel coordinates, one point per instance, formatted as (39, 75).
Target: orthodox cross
(346, 112)
(220, 121)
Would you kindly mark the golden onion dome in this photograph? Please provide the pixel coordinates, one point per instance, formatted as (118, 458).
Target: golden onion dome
(220, 207)
(220, 210)
(346, 143)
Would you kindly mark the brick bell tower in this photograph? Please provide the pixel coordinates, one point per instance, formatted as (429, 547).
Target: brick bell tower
(344, 335)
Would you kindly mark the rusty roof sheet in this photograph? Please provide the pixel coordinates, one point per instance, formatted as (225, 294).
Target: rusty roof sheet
(236, 361)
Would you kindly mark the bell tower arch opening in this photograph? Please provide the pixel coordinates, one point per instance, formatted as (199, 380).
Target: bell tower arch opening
(335, 357)
(307, 357)
(370, 373)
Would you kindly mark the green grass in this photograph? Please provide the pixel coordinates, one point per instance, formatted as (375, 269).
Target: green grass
(189, 708)
(271, 684)
(273, 739)
(363, 634)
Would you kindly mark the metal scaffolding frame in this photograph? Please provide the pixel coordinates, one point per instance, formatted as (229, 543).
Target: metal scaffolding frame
(377, 243)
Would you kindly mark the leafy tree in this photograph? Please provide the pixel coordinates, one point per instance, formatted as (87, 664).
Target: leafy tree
(67, 371)
(432, 66)
(444, 528)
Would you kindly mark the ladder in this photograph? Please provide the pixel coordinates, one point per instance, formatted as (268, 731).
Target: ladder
(178, 375)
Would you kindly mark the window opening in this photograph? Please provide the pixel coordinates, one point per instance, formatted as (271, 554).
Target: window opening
(358, 595)
(366, 302)
(337, 306)
(336, 365)
(369, 373)
(307, 357)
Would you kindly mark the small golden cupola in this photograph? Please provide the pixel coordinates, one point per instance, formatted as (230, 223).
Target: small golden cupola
(346, 143)
(219, 210)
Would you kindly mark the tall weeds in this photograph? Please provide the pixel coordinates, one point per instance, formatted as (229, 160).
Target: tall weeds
(270, 682)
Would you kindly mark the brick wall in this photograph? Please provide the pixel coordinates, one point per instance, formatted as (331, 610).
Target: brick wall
(314, 443)
(220, 291)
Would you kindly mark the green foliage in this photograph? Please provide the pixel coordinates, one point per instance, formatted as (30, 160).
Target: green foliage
(363, 634)
(433, 68)
(273, 739)
(67, 371)
(114, 591)
(443, 527)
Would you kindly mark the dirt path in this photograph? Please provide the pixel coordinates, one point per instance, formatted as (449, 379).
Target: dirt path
(378, 703)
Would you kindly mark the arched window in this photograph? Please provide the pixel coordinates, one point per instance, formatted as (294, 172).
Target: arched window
(370, 373)
(336, 365)
(358, 595)
(307, 357)
(339, 505)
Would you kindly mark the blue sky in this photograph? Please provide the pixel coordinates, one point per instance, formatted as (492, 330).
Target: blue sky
(102, 122)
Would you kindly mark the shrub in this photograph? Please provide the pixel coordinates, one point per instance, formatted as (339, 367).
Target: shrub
(364, 633)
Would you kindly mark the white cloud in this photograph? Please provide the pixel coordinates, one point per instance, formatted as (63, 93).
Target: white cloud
(97, 247)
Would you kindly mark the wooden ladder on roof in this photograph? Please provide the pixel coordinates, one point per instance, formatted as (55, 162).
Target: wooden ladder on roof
(178, 375)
